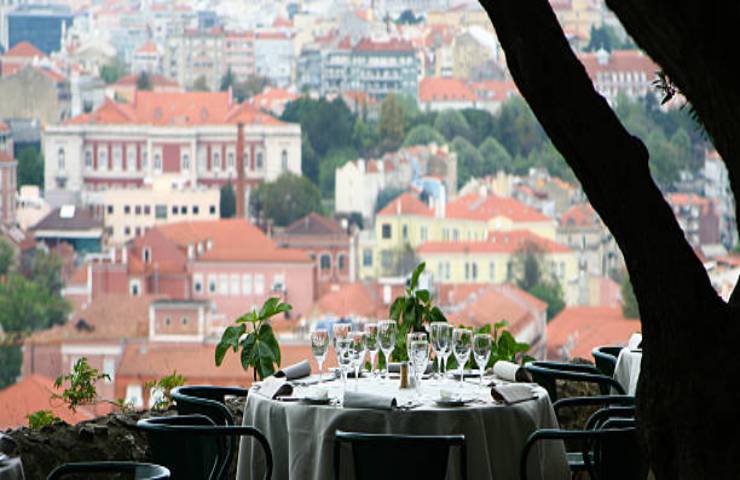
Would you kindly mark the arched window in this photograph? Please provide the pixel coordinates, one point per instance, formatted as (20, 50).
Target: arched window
(325, 262)
(260, 161)
(284, 160)
(60, 159)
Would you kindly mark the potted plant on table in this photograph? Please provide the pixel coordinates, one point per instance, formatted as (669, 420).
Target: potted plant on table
(253, 334)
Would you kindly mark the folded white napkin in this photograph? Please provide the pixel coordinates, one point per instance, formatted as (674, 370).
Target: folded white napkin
(368, 400)
(512, 393)
(273, 387)
(297, 370)
(511, 371)
(635, 341)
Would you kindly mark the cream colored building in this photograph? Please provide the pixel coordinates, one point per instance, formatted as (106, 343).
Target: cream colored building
(129, 213)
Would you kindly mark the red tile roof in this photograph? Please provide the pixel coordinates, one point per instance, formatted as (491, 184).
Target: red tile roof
(232, 240)
(393, 45)
(620, 61)
(406, 204)
(282, 22)
(436, 89)
(24, 49)
(314, 224)
(497, 242)
(176, 109)
(147, 47)
(31, 394)
(581, 215)
(486, 207)
(496, 90)
(352, 299)
(575, 331)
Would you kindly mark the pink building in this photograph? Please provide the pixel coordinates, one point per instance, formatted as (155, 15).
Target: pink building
(230, 264)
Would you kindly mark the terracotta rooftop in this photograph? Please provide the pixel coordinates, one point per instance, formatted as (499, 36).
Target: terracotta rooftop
(496, 90)
(487, 207)
(24, 49)
(31, 394)
(575, 331)
(393, 45)
(176, 109)
(314, 224)
(581, 215)
(232, 240)
(78, 219)
(619, 61)
(406, 204)
(156, 79)
(147, 47)
(497, 242)
(352, 299)
(272, 95)
(437, 89)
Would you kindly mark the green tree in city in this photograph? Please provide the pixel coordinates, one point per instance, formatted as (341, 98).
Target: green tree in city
(144, 81)
(309, 159)
(328, 125)
(392, 123)
(423, 135)
(227, 80)
(11, 358)
(328, 166)
(7, 257)
(495, 156)
(113, 70)
(364, 137)
(517, 128)
(287, 199)
(469, 160)
(30, 167)
(200, 84)
(629, 301)
(227, 201)
(603, 37)
(451, 124)
(531, 275)
(481, 124)
(386, 196)
(46, 271)
(250, 87)
(26, 305)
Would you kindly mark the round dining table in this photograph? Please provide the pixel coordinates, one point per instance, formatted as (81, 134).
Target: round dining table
(301, 435)
(627, 370)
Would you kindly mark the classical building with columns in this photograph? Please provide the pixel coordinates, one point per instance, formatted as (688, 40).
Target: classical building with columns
(188, 137)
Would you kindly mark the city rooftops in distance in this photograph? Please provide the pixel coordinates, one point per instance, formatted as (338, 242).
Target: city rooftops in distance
(497, 242)
(69, 218)
(172, 109)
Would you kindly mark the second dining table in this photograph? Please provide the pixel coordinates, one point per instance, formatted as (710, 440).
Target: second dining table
(301, 435)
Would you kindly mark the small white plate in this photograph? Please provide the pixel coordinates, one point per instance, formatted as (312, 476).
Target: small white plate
(452, 402)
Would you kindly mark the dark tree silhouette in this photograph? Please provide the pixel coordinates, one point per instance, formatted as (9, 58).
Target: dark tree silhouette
(687, 394)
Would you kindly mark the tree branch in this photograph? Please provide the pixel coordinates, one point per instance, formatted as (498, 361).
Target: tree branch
(611, 165)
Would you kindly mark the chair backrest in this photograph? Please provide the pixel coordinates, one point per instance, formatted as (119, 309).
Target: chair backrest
(187, 456)
(206, 400)
(606, 358)
(399, 456)
(543, 378)
(138, 471)
(618, 455)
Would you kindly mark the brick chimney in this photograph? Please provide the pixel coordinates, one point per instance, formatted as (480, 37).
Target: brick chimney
(240, 210)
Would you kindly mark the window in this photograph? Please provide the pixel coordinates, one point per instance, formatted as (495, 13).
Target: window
(405, 232)
(117, 158)
(134, 287)
(60, 159)
(147, 210)
(260, 160)
(202, 160)
(127, 231)
(174, 210)
(235, 286)
(509, 271)
(259, 284)
(184, 321)
(198, 283)
(423, 234)
(247, 284)
(144, 160)
(386, 230)
(474, 271)
(342, 262)
(110, 209)
(455, 235)
(195, 210)
(102, 158)
(160, 211)
(445, 234)
(131, 158)
(146, 255)
(217, 160)
(492, 271)
(230, 160)
(134, 395)
(284, 160)
(223, 284)
(367, 258)
(137, 210)
(212, 283)
(88, 158)
(158, 162)
(278, 282)
(325, 262)
(185, 161)
(127, 209)
(183, 210)
(212, 209)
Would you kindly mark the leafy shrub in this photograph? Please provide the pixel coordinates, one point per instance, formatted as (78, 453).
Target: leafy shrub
(165, 385)
(41, 418)
(81, 390)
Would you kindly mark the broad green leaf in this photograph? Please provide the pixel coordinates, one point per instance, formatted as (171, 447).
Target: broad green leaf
(422, 295)
(267, 335)
(246, 357)
(399, 304)
(415, 275)
(263, 359)
(436, 315)
(268, 308)
(221, 350)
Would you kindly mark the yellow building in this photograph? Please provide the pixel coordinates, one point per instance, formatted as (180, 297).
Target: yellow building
(492, 260)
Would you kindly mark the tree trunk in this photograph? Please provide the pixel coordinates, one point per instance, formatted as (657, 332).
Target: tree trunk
(686, 393)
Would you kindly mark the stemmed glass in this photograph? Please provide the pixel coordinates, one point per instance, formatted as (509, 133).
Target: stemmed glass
(410, 338)
(320, 347)
(387, 339)
(419, 356)
(441, 340)
(482, 344)
(461, 344)
(371, 343)
(358, 353)
(343, 347)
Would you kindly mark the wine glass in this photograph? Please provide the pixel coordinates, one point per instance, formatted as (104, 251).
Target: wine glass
(441, 339)
(339, 330)
(461, 344)
(358, 353)
(419, 356)
(320, 347)
(482, 344)
(371, 343)
(411, 337)
(387, 339)
(343, 347)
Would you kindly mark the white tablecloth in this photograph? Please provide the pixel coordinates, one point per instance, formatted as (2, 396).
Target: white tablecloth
(11, 469)
(627, 370)
(302, 436)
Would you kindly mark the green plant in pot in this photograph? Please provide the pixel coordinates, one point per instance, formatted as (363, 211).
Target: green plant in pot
(412, 310)
(253, 334)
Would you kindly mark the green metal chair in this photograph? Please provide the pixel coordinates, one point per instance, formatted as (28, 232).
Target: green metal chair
(610, 447)
(207, 400)
(399, 457)
(606, 358)
(189, 445)
(138, 471)
(546, 375)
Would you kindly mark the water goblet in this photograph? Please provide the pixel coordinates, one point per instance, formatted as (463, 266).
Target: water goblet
(441, 340)
(387, 330)
(320, 347)
(462, 340)
(371, 344)
(343, 347)
(358, 353)
(482, 344)
(419, 356)
(412, 337)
